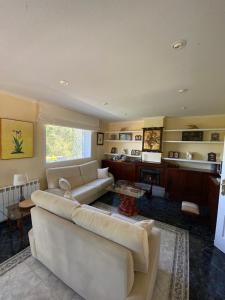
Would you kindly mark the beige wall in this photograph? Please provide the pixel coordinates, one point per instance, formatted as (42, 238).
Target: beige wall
(20, 109)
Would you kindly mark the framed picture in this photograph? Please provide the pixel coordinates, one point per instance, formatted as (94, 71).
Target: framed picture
(152, 139)
(170, 154)
(16, 139)
(215, 136)
(138, 137)
(113, 150)
(125, 136)
(100, 138)
(192, 135)
(211, 156)
(176, 154)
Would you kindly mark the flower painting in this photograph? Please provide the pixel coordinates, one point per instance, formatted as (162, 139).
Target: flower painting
(16, 139)
(17, 142)
(152, 139)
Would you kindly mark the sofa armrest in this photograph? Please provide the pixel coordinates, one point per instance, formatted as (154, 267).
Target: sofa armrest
(111, 175)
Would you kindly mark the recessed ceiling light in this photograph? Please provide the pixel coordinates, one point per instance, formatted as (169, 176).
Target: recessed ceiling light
(64, 82)
(181, 91)
(179, 44)
(105, 103)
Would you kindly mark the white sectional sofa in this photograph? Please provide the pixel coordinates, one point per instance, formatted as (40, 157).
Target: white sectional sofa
(86, 187)
(98, 255)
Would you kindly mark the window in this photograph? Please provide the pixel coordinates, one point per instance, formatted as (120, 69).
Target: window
(65, 143)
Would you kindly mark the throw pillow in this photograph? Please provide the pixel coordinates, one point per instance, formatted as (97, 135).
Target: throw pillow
(103, 173)
(64, 184)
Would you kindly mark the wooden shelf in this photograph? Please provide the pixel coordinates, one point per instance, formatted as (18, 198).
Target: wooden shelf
(124, 141)
(197, 129)
(128, 155)
(195, 142)
(192, 161)
(127, 131)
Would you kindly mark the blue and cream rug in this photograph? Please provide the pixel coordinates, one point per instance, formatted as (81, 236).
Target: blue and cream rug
(22, 277)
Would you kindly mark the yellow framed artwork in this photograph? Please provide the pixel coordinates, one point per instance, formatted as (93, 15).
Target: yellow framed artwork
(16, 139)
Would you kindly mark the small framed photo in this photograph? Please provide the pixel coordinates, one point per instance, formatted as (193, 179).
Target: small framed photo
(215, 136)
(176, 154)
(138, 137)
(170, 154)
(113, 150)
(125, 136)
(211, 156)
(100, 138)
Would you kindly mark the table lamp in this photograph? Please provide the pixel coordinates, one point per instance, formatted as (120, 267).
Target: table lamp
(20, 180)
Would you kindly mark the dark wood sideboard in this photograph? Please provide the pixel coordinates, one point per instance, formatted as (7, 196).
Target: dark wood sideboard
(213, 199)
(181, 184)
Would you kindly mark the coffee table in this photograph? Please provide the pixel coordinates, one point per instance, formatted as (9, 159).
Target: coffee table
(128, 194)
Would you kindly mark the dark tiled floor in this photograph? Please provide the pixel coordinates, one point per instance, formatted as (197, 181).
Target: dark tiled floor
(207, 264)
(10, 242)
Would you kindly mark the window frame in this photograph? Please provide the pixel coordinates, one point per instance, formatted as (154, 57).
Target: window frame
(68, 161)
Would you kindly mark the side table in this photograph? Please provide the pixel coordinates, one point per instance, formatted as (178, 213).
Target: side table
(16, 212)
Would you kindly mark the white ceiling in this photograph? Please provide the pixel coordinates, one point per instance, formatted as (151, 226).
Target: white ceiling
(116, 51)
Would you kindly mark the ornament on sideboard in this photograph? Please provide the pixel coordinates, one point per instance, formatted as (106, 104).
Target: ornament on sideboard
(176, 154)
(124, 129)
(138, 137)
(136, 152)
(211, 156)
(170, 154)
(125, 151)
(114, 150)
(191, 126)
(215, 137)
(113, 137)
(189, 155)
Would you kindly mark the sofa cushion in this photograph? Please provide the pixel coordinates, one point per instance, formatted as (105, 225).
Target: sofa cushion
(89, 171)
(57, 205)
(100, 184)
(71, 173)
(83, 192)
(96, 209)
(126, 234)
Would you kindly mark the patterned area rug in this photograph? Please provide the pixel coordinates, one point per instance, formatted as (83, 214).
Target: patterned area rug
(23, 277)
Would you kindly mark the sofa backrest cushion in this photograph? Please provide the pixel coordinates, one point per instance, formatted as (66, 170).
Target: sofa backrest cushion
(89, 171)
(55, 204)
(71, 173)
(133, 237)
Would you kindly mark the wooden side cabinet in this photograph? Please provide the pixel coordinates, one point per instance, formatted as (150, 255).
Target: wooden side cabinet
(187, 185)
(121, 170)
(213, 199)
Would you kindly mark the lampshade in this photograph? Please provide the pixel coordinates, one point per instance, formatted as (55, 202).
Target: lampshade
(20, 179)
